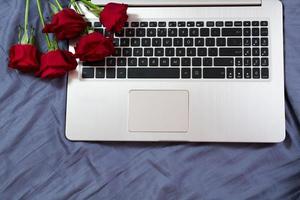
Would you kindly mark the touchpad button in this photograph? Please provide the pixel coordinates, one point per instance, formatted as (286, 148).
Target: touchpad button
(158, 111)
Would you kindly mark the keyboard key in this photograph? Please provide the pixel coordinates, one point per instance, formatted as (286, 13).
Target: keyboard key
(264, 62)
(151, 32)
(264, 73)
(255, 62)
(238, 62)
(214, 73)
(144, 24)
(121, 73)
(191, 51)
(134, 24)
(120, 34)
(185, 73)
(210, 42)
(185, 62)
(99, 30)
(97, 63)
(100, 72)
(130, 32)
(223, 62)
(188, 42)
(116, 42)
(255, 41)
(121, 62)
(228, 23)
(172, 24)
(181, 24)
(231, 32)
(127, 52)
(162, 32)
(153, 73)
(162, 24)
(140, 32)
(124, 42)
(175, 61)
(264, 51)
(255, 52)
(135, 42)
(148, 51)
(255, 23)
(215, 32)
(256, 73)
(229, 73)
(264, 42)
(153, 24)
(196, 62)
(156, 42)
(170, 52)
(196, 73)
(111, 61)
(146, 42)
(202, 52)
(234, 41)
(132, 62)
(207, 61)
(190, 24)
(180, 51)
(178, 42)
(153, 62)
(143, 62)
(238, 23)
(264, 32)
(264, 23)
(247, 52)
(199, 42)
(247, 41)
(159, 52)
(247, 23)
(183, 32)
(87, 72)
(194, 32)
(204, 32)
(117, 52)
(247, 61)
(167, 42)
(213, 51)
(255, 32)
(172, 32)
(110, 72)
(210, 24)
(238, 73)
(221, 41)
(219, 24)
(231, 51)
(247, 73)
(137, 52)
(97, 24)
(164, 62)
(247, 32)
(199, 24)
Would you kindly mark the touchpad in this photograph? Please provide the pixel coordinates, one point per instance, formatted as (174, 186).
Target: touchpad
(158, 110)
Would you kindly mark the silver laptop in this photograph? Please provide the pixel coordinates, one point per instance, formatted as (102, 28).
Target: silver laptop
(194, 71)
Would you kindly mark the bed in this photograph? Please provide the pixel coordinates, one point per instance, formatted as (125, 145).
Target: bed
(38, 162)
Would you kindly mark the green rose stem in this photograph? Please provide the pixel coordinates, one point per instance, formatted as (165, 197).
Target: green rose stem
(25, 38)
(92, 7)
(53, 45)
(58, 5)
(76, 7)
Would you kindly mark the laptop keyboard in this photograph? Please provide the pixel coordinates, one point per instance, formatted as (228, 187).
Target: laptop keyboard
(185, 50)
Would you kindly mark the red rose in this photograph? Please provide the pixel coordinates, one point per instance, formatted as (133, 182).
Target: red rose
(56, 63)
(94, 47)
(114, 16)
(66, 24)
(24, 57)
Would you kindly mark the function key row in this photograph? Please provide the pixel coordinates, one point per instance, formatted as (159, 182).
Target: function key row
(176, 73)
(190, 23)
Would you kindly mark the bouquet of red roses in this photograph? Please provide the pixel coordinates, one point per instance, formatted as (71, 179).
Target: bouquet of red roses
(66, 24)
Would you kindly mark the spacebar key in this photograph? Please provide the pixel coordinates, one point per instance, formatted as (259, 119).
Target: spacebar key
(153, 73)
(214, 72)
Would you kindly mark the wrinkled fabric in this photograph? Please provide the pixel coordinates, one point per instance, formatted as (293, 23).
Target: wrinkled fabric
(38, 162)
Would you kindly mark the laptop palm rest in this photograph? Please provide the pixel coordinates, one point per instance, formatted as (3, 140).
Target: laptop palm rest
(158, 111)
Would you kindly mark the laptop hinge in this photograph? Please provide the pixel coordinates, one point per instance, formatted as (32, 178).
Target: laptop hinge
(184, 3)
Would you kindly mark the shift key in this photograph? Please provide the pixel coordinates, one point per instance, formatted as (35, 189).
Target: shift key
(217, 73)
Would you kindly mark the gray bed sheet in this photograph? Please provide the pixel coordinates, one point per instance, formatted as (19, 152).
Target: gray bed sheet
(38, 162)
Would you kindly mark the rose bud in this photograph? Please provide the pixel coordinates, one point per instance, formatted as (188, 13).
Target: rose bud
(56, 63)
(24, 57)
(94, 47)
(114, 16)
(66, 24)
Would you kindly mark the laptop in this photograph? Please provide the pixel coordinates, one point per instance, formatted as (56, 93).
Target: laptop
(192, 71)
